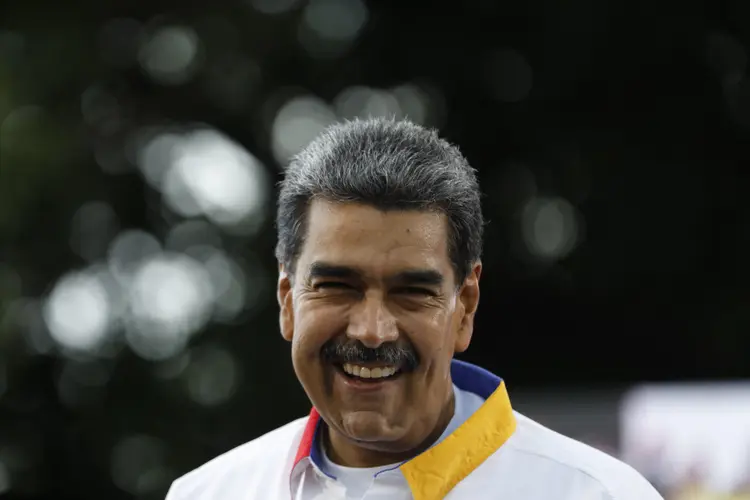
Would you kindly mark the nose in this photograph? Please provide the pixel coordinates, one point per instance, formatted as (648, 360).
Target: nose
(372, 323)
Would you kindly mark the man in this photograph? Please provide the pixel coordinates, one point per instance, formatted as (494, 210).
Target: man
(379, 243)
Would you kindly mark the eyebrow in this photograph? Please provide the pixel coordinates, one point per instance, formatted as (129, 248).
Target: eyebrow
(325, 270)
(425, 277)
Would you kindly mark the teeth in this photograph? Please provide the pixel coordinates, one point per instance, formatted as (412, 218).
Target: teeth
(364, 372)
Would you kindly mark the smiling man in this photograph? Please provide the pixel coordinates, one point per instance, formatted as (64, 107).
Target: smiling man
(380, 236)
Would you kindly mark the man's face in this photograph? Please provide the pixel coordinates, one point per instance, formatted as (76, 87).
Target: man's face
(374, 293)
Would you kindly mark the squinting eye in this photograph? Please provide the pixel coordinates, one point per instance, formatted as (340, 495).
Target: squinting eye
(417, 291)
(330, 285)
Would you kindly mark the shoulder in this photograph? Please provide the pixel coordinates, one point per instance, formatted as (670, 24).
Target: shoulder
(243, 466)
(613, 478)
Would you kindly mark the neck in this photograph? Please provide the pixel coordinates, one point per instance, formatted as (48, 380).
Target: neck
(343, 451)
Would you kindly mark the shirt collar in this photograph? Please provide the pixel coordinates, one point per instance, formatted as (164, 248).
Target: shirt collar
(452, 459)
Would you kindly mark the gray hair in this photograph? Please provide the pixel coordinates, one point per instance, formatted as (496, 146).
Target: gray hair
(390, 165)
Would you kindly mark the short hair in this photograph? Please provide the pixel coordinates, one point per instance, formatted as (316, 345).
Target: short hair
(390, 165)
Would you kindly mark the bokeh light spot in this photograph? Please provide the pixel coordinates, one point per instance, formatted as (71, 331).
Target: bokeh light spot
(297, 123)
(550, 227)
(169, 56)
(77, 312)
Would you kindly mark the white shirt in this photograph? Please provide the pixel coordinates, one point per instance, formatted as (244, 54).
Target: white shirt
(494, 454)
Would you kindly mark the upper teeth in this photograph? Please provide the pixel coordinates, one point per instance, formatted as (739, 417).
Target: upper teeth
(364, 372)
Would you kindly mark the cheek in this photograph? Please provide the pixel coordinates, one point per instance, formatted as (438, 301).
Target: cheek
(431, 332)
(315, 324)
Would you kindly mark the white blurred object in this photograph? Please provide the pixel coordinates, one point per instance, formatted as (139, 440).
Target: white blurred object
(413, 102)
(78, 312)
(550, 227)
(671, 431)
(335, 20)
(217, 176)
(169, 55)
(297, 123)
(171, 298)
(128, 250)
(365, 102)
(155, 156)
(228, 280)
(190, 233)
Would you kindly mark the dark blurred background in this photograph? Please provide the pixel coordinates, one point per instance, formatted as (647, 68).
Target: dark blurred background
(140, 144)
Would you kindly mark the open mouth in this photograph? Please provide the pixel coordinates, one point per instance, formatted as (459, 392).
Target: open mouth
(369, 373)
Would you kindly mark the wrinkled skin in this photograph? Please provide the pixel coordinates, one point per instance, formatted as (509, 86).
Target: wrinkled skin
(379, 278)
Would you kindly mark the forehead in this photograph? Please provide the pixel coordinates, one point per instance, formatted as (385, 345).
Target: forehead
(376, 241)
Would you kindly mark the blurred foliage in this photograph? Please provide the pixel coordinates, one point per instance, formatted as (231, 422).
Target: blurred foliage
(610, 139)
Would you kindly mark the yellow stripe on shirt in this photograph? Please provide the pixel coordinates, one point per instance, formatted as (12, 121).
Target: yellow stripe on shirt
(438, 470)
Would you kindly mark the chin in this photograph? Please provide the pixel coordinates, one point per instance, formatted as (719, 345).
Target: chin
(367, 426)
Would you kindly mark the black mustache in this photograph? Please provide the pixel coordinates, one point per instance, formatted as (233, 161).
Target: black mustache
(356, 353)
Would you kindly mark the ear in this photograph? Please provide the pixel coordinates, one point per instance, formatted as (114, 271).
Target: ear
(468, 302)
(284, 293)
